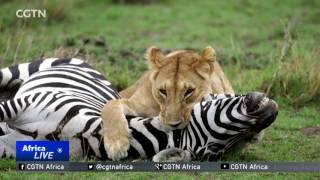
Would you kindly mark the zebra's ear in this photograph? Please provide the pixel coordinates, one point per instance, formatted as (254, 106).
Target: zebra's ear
(155, 57)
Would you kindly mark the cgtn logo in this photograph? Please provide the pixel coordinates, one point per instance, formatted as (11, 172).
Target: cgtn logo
(42, 151)
(31, 13)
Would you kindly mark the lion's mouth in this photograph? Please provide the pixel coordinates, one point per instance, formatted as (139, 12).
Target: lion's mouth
(173, 125)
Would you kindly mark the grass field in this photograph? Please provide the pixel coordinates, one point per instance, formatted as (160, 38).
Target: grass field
(270, 46)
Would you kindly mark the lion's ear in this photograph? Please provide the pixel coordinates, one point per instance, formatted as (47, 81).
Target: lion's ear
(208, 54)
(154, 57)
(204, 67)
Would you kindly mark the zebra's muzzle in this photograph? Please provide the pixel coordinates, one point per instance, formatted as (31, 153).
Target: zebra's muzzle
(265, 110)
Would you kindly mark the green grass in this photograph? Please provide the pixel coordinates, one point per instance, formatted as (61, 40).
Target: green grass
(163, 175)
(250, 38)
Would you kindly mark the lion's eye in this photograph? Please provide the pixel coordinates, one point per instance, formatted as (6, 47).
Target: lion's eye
(163, 92)
(189, 92)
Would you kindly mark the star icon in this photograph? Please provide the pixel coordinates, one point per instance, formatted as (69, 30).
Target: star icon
(59, 150)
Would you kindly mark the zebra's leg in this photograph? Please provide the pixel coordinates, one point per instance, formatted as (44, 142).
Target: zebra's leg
(8, 144)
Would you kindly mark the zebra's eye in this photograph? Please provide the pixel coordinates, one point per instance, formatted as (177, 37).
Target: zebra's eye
(163, 92)
(189, 92)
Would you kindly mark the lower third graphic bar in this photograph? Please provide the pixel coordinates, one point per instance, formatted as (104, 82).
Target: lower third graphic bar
(165, 167)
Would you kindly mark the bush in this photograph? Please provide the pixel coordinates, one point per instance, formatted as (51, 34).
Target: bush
(297, 78)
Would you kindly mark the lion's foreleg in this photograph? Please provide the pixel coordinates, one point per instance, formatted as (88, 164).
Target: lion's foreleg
(116, 130)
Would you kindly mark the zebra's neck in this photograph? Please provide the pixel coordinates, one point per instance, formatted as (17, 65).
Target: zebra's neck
(148, 137)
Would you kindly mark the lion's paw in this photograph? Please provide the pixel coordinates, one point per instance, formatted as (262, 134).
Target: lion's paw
(117, 146)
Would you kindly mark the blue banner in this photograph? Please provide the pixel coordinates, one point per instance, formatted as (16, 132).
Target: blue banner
(42, 151)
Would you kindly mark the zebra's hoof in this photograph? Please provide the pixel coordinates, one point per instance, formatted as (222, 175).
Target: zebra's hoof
(172, 155)
(261, 107)
(117, 148)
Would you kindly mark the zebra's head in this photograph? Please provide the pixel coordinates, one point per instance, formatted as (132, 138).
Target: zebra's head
(228, 121)
(262, 109)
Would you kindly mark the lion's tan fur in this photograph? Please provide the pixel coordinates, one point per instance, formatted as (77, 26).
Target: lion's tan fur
(170, 87)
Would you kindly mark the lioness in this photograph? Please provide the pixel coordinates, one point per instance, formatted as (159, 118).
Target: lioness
(173, 84)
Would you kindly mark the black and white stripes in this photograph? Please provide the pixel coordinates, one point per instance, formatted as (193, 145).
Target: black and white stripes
(61, 99)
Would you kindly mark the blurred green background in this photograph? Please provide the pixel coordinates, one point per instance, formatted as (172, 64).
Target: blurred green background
(269, 46)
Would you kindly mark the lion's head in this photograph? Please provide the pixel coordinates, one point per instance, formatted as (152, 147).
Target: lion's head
(179, 80)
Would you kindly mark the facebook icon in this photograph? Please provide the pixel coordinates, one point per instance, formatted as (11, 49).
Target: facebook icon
(21, 166)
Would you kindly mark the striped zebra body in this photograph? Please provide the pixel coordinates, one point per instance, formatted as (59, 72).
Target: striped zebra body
(57, 99)
(61, 99)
